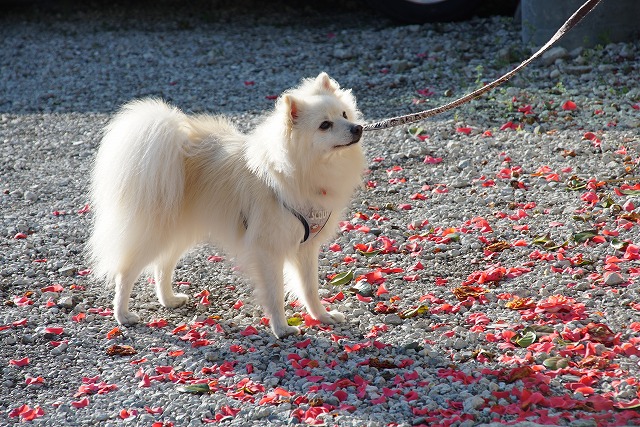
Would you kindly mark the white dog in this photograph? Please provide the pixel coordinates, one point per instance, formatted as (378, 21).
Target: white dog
(164, 181)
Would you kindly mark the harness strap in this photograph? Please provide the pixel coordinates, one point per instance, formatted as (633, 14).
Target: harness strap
(303, 220)
(310, 231)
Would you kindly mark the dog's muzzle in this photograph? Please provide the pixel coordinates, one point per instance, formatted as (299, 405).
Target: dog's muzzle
(356, 132)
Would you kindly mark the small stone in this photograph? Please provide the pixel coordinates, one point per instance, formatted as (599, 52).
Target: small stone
(375, 231)
(342, 53)
(68, 271)
(66, 302)
(30, 196)
(578, 69)
(553, 54)
(211, 356)
(625, 52)
(473, 402)
(363, 288)
(400, 66)
(392, 319)
(460, 183)
(464, 163)
(260, 413)
(459, 344)
(613, 278)
(101, 416)
(21, 281)
(412, 346)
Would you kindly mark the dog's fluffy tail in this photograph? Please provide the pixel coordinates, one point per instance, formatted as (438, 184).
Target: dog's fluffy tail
(137, 183)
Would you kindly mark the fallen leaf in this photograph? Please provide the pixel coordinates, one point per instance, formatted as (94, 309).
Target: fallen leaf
(195, 388)
(525, 338)
(464, 292)
(414, 312)
(341, 279)
(584, 236)
(556, 362)
(121, 350)
(498, 246)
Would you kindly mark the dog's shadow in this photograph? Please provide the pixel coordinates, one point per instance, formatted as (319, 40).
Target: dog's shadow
(325, 372)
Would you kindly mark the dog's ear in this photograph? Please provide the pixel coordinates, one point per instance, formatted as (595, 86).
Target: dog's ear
(291, 106)
(324, 82)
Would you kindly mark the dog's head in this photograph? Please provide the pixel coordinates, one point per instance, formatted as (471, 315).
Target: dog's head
(321, 117)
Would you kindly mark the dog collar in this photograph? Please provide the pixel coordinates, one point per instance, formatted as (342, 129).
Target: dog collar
(312, 221)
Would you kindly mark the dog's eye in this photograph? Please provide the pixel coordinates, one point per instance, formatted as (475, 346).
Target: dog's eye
(344, 114)
(325, 125)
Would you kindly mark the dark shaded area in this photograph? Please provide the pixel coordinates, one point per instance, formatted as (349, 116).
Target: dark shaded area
(216, 10)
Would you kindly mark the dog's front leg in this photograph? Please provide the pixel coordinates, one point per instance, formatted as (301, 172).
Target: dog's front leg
(268, 276)
(306, 266)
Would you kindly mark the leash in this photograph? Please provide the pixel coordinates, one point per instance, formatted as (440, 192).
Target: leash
(583, 11)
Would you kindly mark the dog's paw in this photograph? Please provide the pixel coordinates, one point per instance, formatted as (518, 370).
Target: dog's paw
(127, 318)
(284, 331)
(175, 300)
(331, 317)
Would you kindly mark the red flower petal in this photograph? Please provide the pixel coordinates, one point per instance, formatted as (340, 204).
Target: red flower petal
(432, 160)
(19, 362)
(249, 330)
(303, 344)
(80, 403)
(363, 299)
(114, 333)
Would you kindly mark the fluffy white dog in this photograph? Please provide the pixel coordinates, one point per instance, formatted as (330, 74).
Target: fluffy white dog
(164, 181)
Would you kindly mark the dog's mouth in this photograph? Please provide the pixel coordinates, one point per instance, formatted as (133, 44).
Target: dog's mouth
(348, 144)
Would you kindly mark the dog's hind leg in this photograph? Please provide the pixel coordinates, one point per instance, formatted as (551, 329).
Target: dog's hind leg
(305, 284)
(163, 275)
(124, 284)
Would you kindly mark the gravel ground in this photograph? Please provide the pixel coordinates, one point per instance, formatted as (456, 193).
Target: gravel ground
(488, 266)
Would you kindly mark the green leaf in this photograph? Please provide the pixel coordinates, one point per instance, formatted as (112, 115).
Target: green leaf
(630, 192)
(619, 244)
(370, 253)
(195, 388)
(542, 240)
(416, 130)
(607, 202)
(414, 312)
(540, 329)
(583, 236)
(525, 338)
(556, 362)
(575, 184)
(584, 261)
(294, 321)
(343, 278)
(633, 405)
(546, 242)
(453, 236)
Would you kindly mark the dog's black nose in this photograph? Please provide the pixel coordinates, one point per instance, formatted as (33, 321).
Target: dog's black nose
(356, 130)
